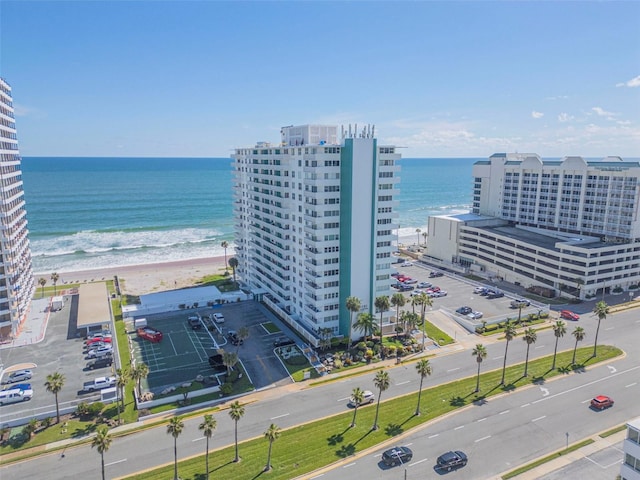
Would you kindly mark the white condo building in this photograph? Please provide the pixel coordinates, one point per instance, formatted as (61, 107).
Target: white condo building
(16, 276)
(315, 219)
(569, 224)
(630, 468)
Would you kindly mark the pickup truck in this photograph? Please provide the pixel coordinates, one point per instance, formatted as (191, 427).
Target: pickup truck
(150, 334)
(99, 383)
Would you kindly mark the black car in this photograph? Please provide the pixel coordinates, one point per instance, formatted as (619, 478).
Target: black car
(436, 274)
(464, 310)
(397, 456)
(216, 360)
(100, 363)
(495, 295)
(194, 323)
(283, 341)
(450, 460)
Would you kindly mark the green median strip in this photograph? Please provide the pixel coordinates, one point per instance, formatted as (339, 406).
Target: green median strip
(305, 448)
(548, 458)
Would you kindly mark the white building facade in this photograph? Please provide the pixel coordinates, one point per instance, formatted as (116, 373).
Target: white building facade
(315, 219)
(567, 224)
(16, 275)
(630, 469)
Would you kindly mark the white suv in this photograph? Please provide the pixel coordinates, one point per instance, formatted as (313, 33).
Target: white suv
(218, 318)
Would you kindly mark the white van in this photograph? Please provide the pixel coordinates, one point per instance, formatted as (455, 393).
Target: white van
(15, 395)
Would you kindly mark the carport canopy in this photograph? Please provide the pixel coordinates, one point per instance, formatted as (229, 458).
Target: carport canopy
(93, 305)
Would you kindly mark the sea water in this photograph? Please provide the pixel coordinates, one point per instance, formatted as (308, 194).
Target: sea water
(87, 213)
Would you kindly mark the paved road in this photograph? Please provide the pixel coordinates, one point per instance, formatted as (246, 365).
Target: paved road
(518, 437)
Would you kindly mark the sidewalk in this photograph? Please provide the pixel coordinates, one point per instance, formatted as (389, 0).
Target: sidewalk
(35, 325)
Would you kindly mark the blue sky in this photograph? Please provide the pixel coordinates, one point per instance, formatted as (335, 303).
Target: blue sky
(443, 79)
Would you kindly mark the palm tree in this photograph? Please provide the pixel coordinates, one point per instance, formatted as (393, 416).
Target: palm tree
(54, 383)
(102, 442)
(418, 232)
(353, 306)
(122, 378)
(139, 372)
(382, 305)
(233, 263)
(42, 281)
(530, 336)
(229, 360)
(366, 323)
(559, 329)
(381, 381)
(424, 370)
(225, 245)
(579, 335)
(174, 428)
(398, 300)
(236, 412)
(425, 235)
(424, 301)
(272, 434)
(357, 396)
(521, 305)
(243, 334)
(207, 426)
(510, 333)
(54, 278)
(601, 310)
(480, 352)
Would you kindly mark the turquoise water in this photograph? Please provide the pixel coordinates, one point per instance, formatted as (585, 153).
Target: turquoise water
(89, 213)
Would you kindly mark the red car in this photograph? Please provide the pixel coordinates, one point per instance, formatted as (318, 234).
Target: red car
(601, 402)
(151, 334)
(91, 341)
(568, 315)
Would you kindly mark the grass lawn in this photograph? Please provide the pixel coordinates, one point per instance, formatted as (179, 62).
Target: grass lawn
(305, 448)
(270, 327)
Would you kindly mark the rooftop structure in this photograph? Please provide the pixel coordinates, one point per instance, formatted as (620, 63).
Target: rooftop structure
(315, 220)
(16, 275)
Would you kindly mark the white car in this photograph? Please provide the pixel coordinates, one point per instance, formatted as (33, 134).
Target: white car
(440, 293)
(475, 315)
(100, 351)
(19, 376)
(424, 285)
(479, 290)
(218, 318)
(368, 397)
(407, 264)
(416, 292)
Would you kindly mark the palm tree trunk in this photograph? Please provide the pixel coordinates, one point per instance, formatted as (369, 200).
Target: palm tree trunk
(375, 421)
(102, 465)
(268, 467)
(595, 344)
(526, 362)
(175, 458)
(555, 350)
(57, 410)
(504, 363)
(419, 395)
(206, 459)
(478, 379)
(353, 420)
(237, 457)
(573, 360)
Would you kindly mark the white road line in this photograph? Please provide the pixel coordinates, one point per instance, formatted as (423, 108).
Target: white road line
(586, 401)
(587, 384)
(350, 465)
(318, 476)
(458, 428)
(279, 416)
(482, 419)
(403, 383)
(198, 439)
(539, 418)
(434, 436)
(418, 462)
(174, 347)
(539, 346)
(343, 399)
(610, 328)
(502, 413)
(117, 461)
(453, 369)
(525, 405)
(481, 439)
(498, 358)
(631, 385)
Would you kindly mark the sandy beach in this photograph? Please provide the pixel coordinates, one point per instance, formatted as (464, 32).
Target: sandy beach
(148, 278)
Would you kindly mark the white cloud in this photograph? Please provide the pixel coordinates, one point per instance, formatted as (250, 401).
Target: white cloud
(535, 114)
(558, 97)
(634, 82)
(602, 112)
(565, 117)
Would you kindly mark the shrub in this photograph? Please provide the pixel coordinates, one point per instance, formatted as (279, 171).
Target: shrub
(95, 409)
(226, 388)
(82, 409)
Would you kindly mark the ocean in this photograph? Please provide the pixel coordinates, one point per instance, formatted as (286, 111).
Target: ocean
(87, 213)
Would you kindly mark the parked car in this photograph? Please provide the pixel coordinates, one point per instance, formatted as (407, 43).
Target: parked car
(450, 460)
(395, 274)
(424, 285)
(15, 395)
(480, 290)
(103, 351)
(520, 301)
(416, 292)
(218, 318)
(439, 293)
(100, 363)
(149, 333)
(407, 264)
(367, 398)
(410, 281)
(568, 315)
(18, 386)
(397, 456)
(435, 273)
(92, 341)
(464, 310)
(283, 341)
(601, 402)
(475, 315)
(19, 376)
(99, 335)
(194, 322)
(406, 288)
(495, 294)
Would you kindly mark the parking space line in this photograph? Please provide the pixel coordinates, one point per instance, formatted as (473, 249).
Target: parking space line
(631, 385)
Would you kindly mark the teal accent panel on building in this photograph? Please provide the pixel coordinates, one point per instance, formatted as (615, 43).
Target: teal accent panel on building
(346, 197)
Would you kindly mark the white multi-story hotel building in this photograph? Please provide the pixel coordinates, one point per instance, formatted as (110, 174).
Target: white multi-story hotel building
(16, 276)
(567, 224)
(630, 469)
(315, 219)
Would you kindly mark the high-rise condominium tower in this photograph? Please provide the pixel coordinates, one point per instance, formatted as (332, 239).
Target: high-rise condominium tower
(315, 219)
(16, 276)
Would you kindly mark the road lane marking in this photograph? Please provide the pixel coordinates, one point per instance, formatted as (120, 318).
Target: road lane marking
(453, 369)
(545, 391)
(539, 418)
(403, 383)
(631, 385)
(610, 328)
(586, 401)
(350, 465)
(502, 413)
(117, 461)
(539, 346)
(525, 405)
(498, 358)
(458, 428)
(279, 416)
(612, 368)
(483, 438)
(343, 399)
(198, 439)
(434, 436)
(587, 384)
(482, 419)
(419, 461)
